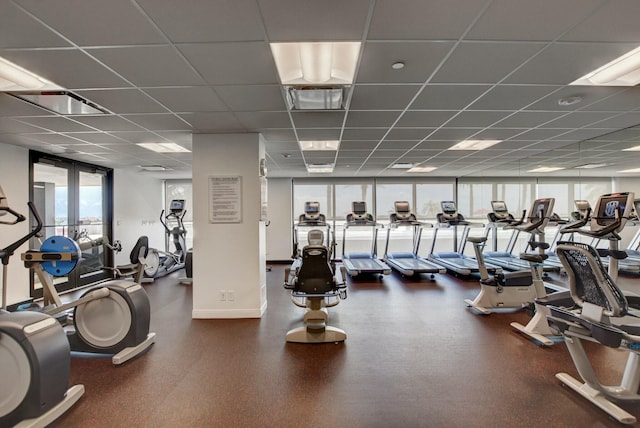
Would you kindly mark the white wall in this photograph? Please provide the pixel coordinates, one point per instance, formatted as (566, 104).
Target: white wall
(14, 179)
(279, 238)
(138, 202)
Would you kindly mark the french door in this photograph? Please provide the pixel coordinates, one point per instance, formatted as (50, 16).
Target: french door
(74, 200)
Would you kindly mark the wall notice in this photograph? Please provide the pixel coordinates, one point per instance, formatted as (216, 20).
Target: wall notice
(225, 199)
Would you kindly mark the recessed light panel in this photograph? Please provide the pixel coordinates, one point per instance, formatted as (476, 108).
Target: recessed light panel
(546, 169)
(317, 145)
(15, 78)
(422, 169)
(622, 71)
(316, 63)
(164, 147)
(474, 144)
(320, 168)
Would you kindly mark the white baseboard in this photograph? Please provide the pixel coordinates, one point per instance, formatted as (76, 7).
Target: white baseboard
(228, 313)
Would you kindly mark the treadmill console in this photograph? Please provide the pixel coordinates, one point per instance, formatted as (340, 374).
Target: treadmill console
(611, 207)
(499, 213)
(359, 214)
(450, 214)
(582, 208)
(402, 213)
(311, 214)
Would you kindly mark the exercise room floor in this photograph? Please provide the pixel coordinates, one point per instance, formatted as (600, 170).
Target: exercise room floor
(415, 356)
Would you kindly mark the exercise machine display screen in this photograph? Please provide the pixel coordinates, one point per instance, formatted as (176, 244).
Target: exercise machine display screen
(499, 207)
(541, 208)
(609, 206)
(582, 205)
(177, 205)
(402, 207)
(359, 207)
(448, 207)
(312, 208)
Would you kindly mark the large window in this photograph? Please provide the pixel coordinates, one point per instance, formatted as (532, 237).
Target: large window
(73, 200)
(566, 191)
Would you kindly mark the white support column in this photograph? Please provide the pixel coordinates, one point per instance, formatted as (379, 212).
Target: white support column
(229, 254)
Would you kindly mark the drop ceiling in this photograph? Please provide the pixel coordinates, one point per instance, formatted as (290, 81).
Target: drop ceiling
(165, 70)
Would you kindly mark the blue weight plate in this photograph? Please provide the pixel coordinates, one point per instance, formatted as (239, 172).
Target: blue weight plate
(59, 244)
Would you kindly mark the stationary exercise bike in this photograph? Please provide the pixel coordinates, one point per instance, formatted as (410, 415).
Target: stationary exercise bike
(112, 318)
(159, 263)
(35, 357)
(515, 290)
(610, 216)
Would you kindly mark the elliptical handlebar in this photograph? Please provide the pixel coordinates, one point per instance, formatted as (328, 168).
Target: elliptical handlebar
(8, 251)
(178, 218)
(18, 217)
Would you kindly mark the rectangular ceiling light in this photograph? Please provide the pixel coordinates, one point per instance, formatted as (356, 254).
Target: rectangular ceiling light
(622, 71)
(630, 170)
(320, 167)
(422, 169)
(164, 147)
(632, 149)
(154, 168)
(402, 165)
(591, 165)
(316, 63)
(15, 78)
(474, 144)
(331, 145)
(546, 169)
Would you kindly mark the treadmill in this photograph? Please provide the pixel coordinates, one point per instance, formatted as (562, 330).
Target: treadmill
(311, 219)
(501, 218)
(408, 263)
(357, 263)
(455, 261)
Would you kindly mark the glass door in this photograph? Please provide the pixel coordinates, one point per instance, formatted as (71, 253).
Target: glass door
(73, 201)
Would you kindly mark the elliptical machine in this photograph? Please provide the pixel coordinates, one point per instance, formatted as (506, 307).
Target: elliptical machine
(35, 357)
(112, 318)
(159, 263)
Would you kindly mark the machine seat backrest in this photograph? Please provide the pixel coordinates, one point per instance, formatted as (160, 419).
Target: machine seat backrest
(141, 249)
(315, 275)
(589, 281)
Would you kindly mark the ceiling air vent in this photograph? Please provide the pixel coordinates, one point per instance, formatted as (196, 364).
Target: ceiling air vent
(61, 102)
(316, 97)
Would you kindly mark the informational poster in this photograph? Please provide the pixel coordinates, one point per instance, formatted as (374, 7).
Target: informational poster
(225, 199)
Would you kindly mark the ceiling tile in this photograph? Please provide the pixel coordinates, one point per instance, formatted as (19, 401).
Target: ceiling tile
(417, 19)
(188, 99)
(123, 100)
(420, 58)
(252, 97)
(19, 30)
(213, 121)
(292, 20)
(149, 65)
(96, 23)
(480, 62)
(206, 21)
(158, 122)
(232, 63)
